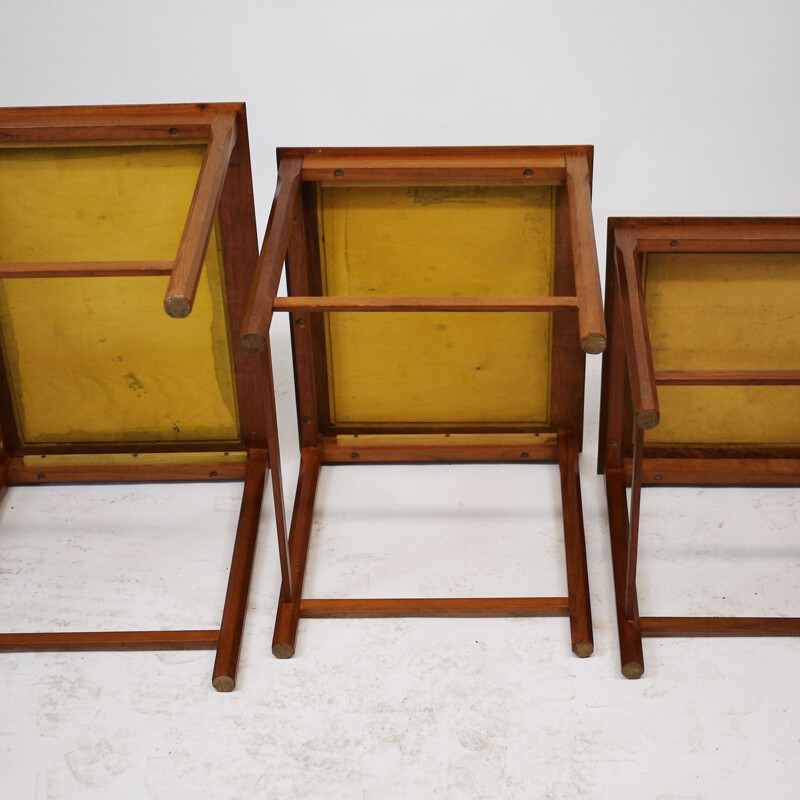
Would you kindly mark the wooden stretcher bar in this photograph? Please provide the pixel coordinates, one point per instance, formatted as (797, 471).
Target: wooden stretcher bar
(435, 607)
(720, 626)
(84, 269)
(728, 377)
(370, 304)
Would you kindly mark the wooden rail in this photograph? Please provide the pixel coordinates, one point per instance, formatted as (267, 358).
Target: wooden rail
(436, 607)
(424, 303)
(83, 269)
(728, 377)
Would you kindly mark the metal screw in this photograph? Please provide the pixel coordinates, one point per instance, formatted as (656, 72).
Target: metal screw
(42, 476)
(353, 455)
(338, 173)
(135, 455)
(658, 477)
(212, 474)
(306, 419)
(673, 244)
(173, 131)
(613, 441)
(528, 173)
(524, 455)
(301, 322)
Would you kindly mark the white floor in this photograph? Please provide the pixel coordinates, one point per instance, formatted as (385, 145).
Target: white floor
(379, 709)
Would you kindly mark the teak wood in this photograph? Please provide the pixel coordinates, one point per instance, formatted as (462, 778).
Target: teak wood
(484, 260)
(693, 305)
(179, 223)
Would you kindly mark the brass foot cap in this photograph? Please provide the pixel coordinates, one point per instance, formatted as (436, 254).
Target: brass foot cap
(633, 669)
(583, 649)
(282, 650)
(223, 683)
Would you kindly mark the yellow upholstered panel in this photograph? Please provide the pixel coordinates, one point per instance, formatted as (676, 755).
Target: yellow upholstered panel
(438, 241)
(728, 311)
(98, 359)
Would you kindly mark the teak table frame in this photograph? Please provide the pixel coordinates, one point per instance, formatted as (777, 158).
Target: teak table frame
(630, 406)
(223, 193)
(577, 327)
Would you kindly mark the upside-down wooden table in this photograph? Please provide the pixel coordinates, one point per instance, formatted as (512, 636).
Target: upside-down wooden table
(106, 215)
(704, 311)
(441, 301)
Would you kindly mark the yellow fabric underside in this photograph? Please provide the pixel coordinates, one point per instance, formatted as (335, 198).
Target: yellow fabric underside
(98, 359)
(729, 311)
(438, 241)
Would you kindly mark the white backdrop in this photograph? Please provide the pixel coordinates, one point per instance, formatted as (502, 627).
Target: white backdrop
(694, 109)
(692, 106)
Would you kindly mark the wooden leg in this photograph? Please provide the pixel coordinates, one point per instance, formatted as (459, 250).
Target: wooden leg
(630, 633)
(233, 614)
(580, 612)
(4, 464)
(283, 640)
(277, 480)
(633, 522)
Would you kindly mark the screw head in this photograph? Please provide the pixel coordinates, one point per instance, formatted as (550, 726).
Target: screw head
(658, 477)
(212, 474)
(353, 455)
(301, 322)
(673, 243)
(528, 173)
(613, 441)
(306, 419)
(41, 476)
(173, 131)
(338, 173)
(523, 455)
